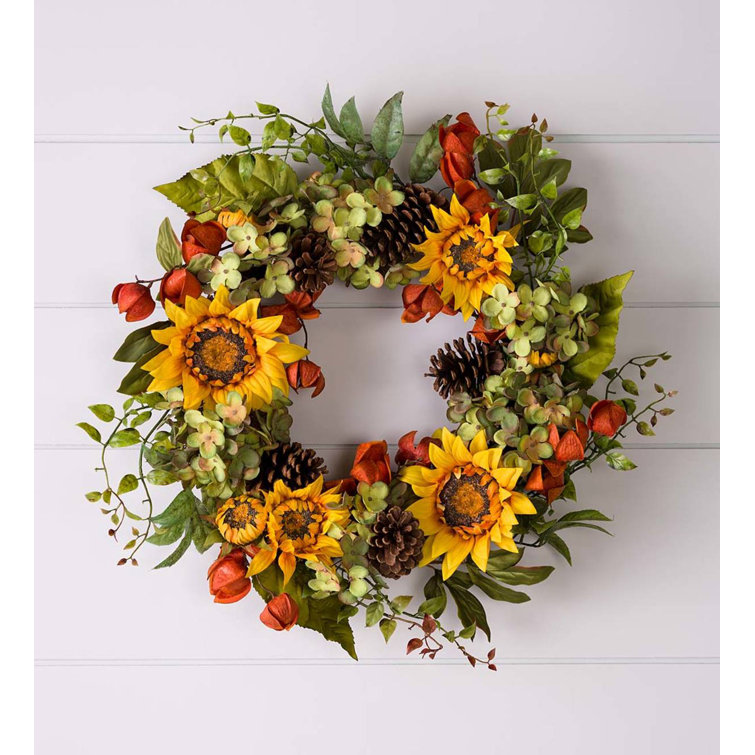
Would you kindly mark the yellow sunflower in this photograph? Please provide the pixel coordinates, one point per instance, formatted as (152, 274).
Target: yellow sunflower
(242, 519)
(466, 258)
(466, 501)
(214, 348)
(297, 527)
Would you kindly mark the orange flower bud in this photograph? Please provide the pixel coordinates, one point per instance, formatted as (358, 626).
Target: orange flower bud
(408, 452)
(201, 238)
(571, 445)
(280, 613)
(457, 142)
(606, 417)
(134, 299)
(476, 200)
(177, 284)
(422, 300)
(306, 374)
(227, 577)
(372, 463)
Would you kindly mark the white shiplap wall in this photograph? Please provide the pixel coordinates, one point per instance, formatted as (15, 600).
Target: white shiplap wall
(618, 654)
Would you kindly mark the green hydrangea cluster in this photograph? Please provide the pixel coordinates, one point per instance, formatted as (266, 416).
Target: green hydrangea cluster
(547, 318)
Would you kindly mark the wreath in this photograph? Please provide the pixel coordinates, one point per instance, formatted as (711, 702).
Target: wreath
(532, 397)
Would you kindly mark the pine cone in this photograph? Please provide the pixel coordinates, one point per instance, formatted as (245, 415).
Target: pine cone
(396, 544)
(291, 462)
(463, 367)
(314, 262)
(390, 242)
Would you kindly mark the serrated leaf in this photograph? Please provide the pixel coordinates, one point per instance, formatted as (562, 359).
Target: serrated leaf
(91, 431)
(168, 248)
(587, 366)
(181, 508)
(330, 113)
(124, 438)
(183, 546)
(388, 129)
(425, 159)
(104, 412)
(127, 484)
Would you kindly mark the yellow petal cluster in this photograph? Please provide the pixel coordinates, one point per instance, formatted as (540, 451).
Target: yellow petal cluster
(466, 501)
(213, 348)
(465, 258)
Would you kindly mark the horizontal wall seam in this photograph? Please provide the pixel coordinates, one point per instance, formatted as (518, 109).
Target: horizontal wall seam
(211, 138)
(193, 662)
(348, 446)
(398, 305)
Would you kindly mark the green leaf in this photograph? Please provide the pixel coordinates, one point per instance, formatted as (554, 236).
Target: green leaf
(181, 508)
(388, 129)
(374, 612)
(425, 159)
(572, 220)
(556, 170)
(400, 602)
(351, 122)
(559, 545)
(167, 536)
(183, 546)
(105, 412)
(239, 135)
(493, 176)
(523, 201)
(139, 342)
(127, 484)
(570, 200)
(587, 366)
(468, 607)
(388, 627)
(125, 438)
(525, 575)
(138, 380)
(630, 387)
(585, 515)
(579, 236)
(434, 590)
(492, 589)
(501, 561)
(267, 109)
(160, 477)
(617, 460)
(330, 113)
(168, 247)
(94, 496)
(91, 431)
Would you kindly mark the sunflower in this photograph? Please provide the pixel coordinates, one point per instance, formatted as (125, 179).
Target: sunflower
(466, 258)
(466, 501)
(242, 519)
(214, 348)
(297, 527)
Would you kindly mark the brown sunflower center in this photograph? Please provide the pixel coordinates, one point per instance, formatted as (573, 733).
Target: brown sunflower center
(465, 500)
(217, 354)
(465, 252)
(295, 523)
(240, 516)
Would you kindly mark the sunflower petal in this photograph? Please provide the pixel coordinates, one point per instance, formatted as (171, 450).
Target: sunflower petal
(455, 557)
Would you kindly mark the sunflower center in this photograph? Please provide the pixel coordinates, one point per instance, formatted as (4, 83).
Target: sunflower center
(219, 355)
(465, 252)
(295, 523)
(465, 500)
(240, 515)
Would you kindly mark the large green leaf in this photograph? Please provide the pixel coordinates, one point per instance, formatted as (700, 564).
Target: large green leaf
(330, 114)
(388, 130)
(587, 367)
(139, 342)
(269, 177)
(137, 380)
(470, 610)
(425, 159)
(492, 589)
(435, 596)
(524, 575)
(351, 122)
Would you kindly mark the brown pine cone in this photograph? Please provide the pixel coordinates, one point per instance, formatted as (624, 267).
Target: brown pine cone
(391, 241)
(463, 367)
(291, 462)
(314, 262)
(396, 544)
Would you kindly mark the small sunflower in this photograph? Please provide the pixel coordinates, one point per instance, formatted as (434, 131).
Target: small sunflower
(466, 501)
(466, 258)
(297, 527)
(214, 348)
(242, 519)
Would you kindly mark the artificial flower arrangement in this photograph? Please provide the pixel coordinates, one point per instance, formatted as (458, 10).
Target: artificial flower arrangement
(532, 397)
